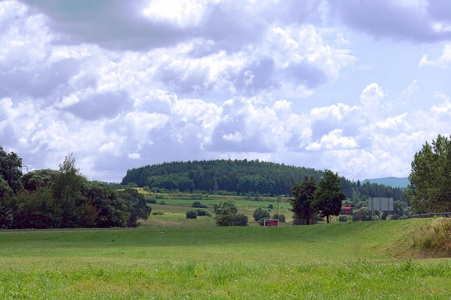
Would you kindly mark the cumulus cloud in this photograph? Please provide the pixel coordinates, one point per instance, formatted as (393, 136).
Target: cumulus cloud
(372, 95)
(122, 84)
(334, 140)
(416, 20)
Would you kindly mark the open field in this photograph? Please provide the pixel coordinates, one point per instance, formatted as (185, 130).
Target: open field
(175, 207)
(361, 260)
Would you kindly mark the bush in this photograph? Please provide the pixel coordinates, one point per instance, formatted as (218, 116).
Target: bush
(198, 204)
(366, 215)
(202, 212)
(342, 218)
(191, 214)
(280, 217)
(151, 201)
(260, 213)
(158, 212)
(226, 215)
(240, 220)
(270, 206)
(224, 219)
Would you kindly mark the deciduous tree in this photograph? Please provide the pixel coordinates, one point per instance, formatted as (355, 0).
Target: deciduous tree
(10, 171)
(329, 196)
(430, 178)
(302, 203)
(136, 206)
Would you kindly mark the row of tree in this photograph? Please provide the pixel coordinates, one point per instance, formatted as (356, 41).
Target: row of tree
(63, 198)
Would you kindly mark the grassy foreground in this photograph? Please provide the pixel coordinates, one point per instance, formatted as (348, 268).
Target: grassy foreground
(361, 260)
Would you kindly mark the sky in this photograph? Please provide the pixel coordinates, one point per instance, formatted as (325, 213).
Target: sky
(353, 86)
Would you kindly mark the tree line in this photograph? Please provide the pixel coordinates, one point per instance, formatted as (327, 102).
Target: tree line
(239, 176)
(243, 177)
(63, 199)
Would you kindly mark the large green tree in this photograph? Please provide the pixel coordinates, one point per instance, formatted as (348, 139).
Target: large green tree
(136, 205)
(10, 172)
(329, 196)
(67, 191)
(430, 178)
(302, 202)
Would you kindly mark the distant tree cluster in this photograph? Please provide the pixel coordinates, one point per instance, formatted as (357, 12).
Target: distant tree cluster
(430, 179)
(63, 199)
(325, 199)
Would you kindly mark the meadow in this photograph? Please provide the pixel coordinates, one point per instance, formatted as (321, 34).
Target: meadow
(356, 260)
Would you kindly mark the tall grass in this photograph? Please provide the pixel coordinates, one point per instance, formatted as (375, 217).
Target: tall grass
(434, 239)
(189, 280)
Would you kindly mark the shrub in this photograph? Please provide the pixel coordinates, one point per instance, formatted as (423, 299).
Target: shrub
(225, 207)
(280, 217)
(224, 219)
(270, 206)
(342, 218)
(198, 204)
(191, 214)
(260, 213)
(226, 215)
(151, 201)
(158, 212)
(202, 212)
(240, 220)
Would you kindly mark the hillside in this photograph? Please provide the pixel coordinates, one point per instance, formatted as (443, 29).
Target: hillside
(238, 176)
(242, 177)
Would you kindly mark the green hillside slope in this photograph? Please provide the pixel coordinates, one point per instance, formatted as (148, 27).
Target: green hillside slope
(360, 260)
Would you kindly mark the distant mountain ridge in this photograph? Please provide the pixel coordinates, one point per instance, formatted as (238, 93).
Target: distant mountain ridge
(398, 182)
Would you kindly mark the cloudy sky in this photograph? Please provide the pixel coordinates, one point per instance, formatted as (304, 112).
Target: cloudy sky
(354, 86)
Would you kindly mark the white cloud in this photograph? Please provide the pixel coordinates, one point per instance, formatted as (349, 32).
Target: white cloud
(444, 61)
(234, 137)
(138, 83)
(183, 13)
(334, 140)
(134, 155)
(372, 95)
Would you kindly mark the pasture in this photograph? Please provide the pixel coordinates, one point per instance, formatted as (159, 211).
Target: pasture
(360, 260)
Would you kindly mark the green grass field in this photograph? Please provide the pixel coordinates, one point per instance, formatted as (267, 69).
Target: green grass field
(359, 260)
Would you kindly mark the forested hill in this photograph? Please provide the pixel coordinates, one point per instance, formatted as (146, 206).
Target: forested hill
(241, 177)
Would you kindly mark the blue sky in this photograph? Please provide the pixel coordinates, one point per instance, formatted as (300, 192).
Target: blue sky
(356, 87)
